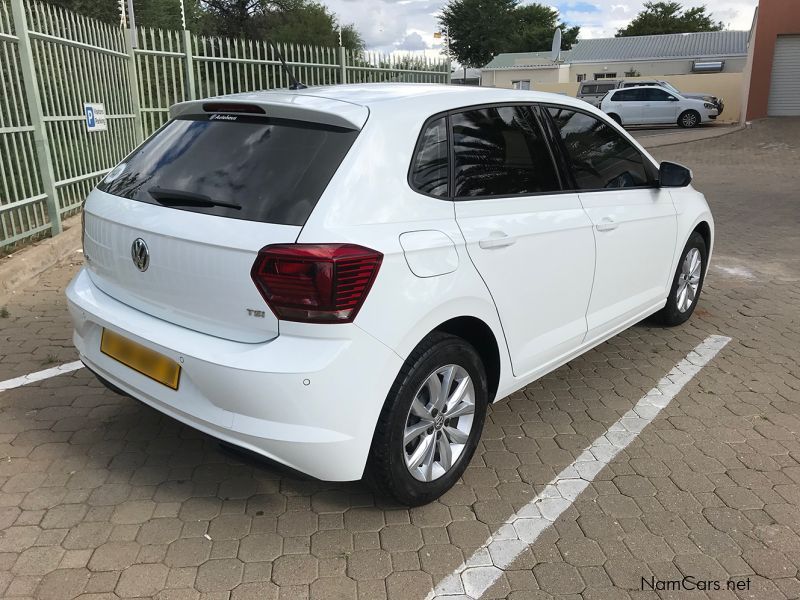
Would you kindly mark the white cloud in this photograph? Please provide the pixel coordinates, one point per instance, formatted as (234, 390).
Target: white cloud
(412, 41)
(389, 25)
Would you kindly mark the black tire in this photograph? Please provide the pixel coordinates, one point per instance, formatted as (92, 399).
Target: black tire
(671, 315)
(386, 466)
(689, 119)
(616, 118)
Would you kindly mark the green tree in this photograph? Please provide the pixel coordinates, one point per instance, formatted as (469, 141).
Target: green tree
(161, 14)
(480, 29)
(477, 29)
(297, 21)
(311, 23)
(102, 10)
(536, 24)
(670, 17)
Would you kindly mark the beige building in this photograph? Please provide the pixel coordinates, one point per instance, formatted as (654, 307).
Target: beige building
(616, 58)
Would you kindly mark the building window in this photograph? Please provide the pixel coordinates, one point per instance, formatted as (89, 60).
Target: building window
(581, 77)
(521, 84)
(605, 75)
(708, 66)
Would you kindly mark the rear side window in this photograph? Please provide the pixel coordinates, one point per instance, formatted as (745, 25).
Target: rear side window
(601, 158)
(654, 95)
(250, 168)
(590, 88)
(429, 168)
(628, 95)
(500, 151)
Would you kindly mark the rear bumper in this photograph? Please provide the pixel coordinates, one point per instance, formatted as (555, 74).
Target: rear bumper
(310, 403)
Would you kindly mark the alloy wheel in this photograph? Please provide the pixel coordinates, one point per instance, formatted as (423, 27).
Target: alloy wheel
(689, 279)
(689, 119)
(439, 423)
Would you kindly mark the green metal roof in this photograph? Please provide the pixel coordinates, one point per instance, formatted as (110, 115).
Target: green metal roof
(514, 60)
(708, 44)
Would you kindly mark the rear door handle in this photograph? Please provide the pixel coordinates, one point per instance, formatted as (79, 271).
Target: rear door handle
(496, 239)
(607, 224)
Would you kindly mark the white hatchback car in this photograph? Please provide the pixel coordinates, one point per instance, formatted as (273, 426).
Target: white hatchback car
(653, 105)
(341, 279)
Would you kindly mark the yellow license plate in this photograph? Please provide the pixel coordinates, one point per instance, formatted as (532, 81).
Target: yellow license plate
(147, 362)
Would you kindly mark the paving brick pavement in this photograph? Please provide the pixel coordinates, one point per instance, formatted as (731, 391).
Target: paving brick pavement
(101, 497)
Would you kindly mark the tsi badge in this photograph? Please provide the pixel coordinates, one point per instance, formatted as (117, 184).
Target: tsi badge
(255, 313)
(140, 254)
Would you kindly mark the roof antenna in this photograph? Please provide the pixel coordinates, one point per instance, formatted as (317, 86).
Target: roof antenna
(296, 85)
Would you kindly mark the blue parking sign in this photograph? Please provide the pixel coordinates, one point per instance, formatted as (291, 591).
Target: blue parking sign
(95, 114)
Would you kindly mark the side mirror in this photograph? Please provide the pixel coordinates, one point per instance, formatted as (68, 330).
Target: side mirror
(673, 175)
(672, 99)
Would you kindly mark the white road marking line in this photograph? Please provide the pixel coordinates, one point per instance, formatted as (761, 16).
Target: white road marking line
(10, 384)
(477, 574)
(736, 271)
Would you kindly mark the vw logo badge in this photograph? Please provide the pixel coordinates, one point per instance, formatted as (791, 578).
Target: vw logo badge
(140, 254)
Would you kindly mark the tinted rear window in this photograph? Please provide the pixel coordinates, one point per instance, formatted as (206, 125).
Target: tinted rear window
(628, 95)
(500, 151)
(275, 170)
(429, 168)
(653, 95)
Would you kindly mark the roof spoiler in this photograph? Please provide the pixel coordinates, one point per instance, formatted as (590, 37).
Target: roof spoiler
(279, 104)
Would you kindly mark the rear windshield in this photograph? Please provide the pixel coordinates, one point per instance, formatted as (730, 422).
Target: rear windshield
(242, 167)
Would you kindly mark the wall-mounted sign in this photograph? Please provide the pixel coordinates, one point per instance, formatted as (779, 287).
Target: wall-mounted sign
(95, 116)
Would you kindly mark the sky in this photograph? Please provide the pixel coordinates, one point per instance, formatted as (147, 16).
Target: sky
(409, 25)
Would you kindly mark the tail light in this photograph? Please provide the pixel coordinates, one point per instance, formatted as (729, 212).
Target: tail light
(232, 107)
(315, 283)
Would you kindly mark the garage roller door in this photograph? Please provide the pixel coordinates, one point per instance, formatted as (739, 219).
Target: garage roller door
(784, 92)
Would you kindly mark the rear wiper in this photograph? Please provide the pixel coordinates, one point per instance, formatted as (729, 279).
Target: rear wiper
(169, 197)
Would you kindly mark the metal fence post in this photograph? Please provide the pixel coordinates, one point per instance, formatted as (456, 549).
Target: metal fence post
(187, 50)
(450, 73)
(34, 101)
(133, 83)
(343, 62)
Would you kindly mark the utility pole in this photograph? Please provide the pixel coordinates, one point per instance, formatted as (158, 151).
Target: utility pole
(445, 32)
(132, 20)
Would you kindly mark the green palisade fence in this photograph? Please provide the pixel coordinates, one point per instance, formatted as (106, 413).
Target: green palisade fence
(23, 201)
(52, 61)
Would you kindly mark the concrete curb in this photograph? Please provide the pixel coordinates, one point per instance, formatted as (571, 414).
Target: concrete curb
(24, 266)
(685, 137)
